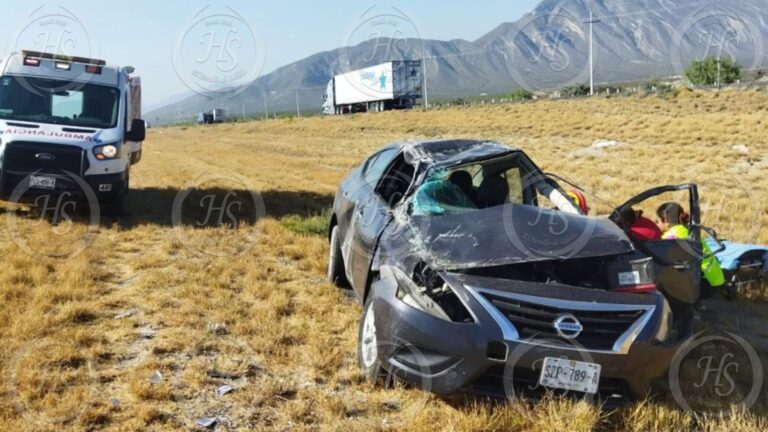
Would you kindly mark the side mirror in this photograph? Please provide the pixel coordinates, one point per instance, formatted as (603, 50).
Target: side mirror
(138, 131)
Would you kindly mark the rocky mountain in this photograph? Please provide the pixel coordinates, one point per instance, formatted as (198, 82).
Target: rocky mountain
(544, 50)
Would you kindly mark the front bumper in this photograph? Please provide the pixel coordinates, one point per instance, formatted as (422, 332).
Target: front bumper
(487, 358)
(67, 164)
(104, 188)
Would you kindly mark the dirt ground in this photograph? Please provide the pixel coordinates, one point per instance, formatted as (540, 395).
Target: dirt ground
(134, 324)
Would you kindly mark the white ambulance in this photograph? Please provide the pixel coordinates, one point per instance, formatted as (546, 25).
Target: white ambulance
(68, 125)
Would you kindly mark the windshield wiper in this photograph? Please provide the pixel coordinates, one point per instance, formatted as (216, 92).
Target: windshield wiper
(24, 125)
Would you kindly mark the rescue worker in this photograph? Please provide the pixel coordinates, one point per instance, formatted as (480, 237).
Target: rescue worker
(673, 221)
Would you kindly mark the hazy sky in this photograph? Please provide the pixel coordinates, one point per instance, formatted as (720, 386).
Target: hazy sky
(144, 33)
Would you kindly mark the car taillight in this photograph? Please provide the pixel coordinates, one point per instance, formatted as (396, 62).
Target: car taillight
(638, 289)
(93, 69)
(31, 61)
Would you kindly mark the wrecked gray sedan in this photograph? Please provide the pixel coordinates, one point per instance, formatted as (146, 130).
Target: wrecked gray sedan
(478, 273)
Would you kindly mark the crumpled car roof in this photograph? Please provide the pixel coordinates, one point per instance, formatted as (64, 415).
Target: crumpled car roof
(451, 152)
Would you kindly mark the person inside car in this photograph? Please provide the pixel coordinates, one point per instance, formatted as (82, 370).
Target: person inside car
(493, 192)
(640, 228)
(463, 180)
(673, 221)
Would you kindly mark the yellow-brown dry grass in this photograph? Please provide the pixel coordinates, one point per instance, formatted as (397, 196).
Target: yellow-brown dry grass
(68, 363)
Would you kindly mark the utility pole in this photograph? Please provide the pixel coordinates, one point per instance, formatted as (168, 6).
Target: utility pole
(298, 110)
(426, 93)
(266, 107)
(719, 62)
(591, 22)
(242, 105)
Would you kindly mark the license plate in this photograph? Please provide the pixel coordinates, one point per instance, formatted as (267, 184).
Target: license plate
(572, 375)
(629, 278)
(38, 182)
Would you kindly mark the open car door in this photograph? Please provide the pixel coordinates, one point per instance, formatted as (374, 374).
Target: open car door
(677, 263)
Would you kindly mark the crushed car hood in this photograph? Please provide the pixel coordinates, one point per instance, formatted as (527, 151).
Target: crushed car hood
(513, 234)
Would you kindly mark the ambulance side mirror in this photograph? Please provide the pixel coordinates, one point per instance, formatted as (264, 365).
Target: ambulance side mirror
(138, 131)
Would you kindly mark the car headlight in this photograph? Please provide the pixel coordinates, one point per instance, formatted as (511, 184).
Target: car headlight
(109, 151)
(429, 293)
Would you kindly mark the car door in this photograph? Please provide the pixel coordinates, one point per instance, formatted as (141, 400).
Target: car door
(353, 190)
(367, 216)
(677, 263)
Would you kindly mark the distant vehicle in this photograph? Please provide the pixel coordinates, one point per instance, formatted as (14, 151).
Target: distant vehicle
(457, 300)
(217, 115)
(68, 122)
(388, 86)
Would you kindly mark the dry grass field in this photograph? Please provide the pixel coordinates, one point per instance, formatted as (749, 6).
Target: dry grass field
(125, 335)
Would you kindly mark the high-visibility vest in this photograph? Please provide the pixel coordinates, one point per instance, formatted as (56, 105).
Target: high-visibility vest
(710, 266)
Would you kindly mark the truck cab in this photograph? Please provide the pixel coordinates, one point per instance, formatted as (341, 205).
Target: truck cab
(68, 125)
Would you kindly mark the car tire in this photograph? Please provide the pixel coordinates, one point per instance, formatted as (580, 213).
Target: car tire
(118, 206)
(336, 271)
(367, 345)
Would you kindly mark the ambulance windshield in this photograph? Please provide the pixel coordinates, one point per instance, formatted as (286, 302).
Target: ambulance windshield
(43, 100)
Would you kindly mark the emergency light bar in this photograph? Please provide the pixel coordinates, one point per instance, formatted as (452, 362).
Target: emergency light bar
(93, 69)
(32, 57)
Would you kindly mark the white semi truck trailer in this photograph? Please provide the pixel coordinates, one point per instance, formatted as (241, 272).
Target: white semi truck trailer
(218, 115)
(388, 86)
(68, 125)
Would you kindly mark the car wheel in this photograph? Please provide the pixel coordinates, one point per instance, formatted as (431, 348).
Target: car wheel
(336, 271)
(368, 345)
(730, 291)
(117, 206)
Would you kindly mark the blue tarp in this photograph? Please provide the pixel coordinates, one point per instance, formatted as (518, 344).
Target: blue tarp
(731, 256)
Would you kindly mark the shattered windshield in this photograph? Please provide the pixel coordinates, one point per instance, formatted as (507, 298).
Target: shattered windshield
(483, 185)
(45, 100)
